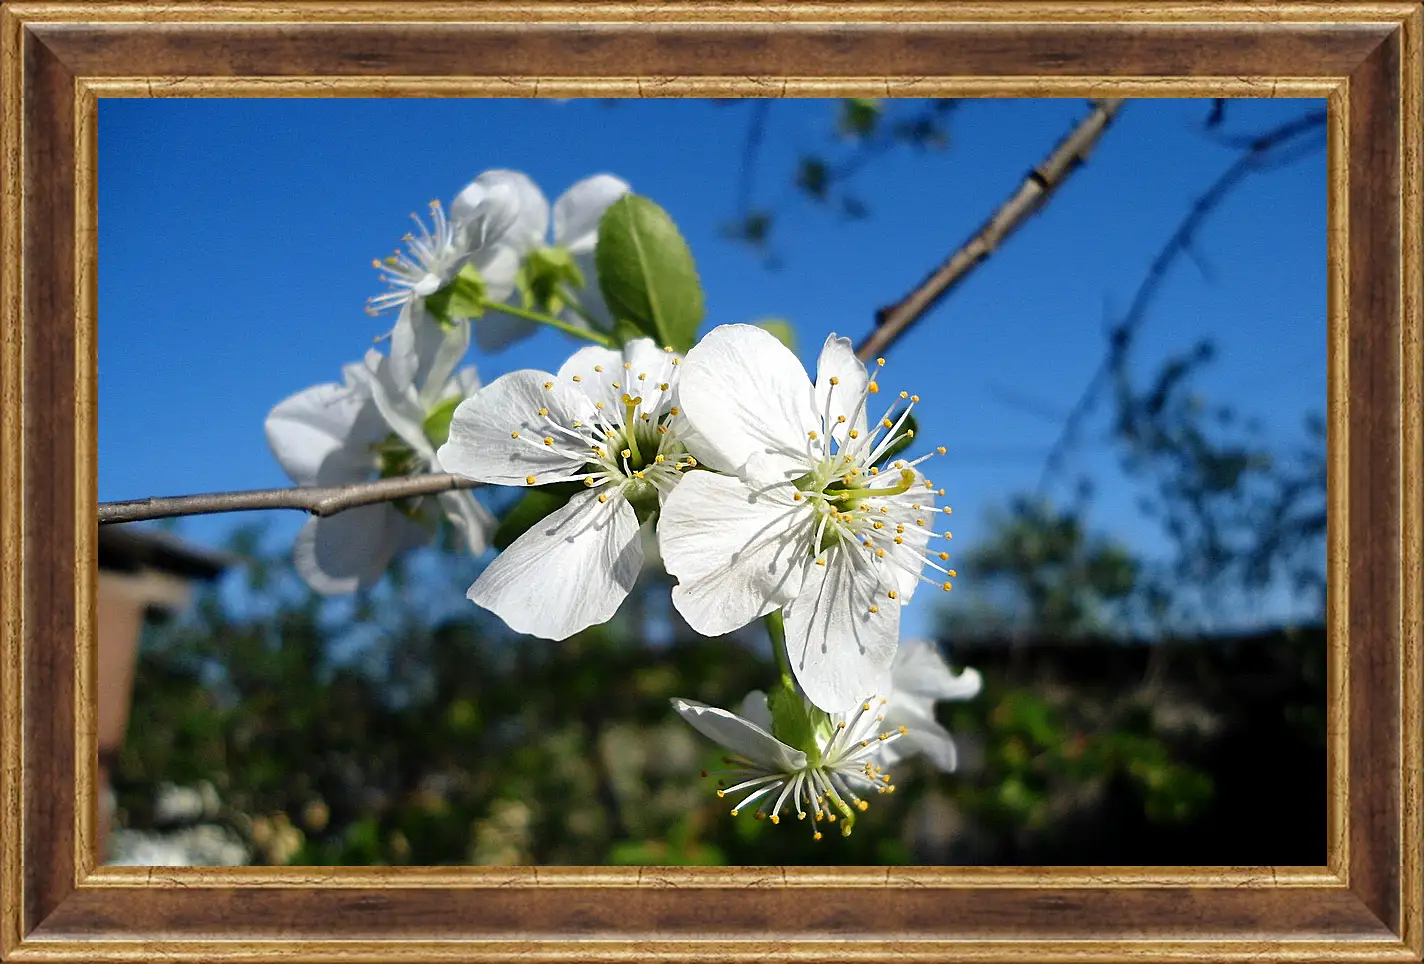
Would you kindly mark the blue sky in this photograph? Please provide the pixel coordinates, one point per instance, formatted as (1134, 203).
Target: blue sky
(235, 240)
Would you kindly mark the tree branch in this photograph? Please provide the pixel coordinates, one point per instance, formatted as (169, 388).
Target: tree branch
(1261, 153)
(894, 320)
(319, 500)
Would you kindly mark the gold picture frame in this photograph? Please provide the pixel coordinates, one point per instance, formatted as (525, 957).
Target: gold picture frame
(57, 59)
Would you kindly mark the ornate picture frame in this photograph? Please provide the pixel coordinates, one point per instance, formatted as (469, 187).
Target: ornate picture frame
(58, 59)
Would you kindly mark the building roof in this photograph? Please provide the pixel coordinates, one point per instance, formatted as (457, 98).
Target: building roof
(129, 548)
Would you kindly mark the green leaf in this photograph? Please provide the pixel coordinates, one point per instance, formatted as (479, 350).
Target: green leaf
(535, 505)
(646, 272)
(782, 329)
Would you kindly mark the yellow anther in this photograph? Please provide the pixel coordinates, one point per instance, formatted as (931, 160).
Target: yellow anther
(514, 435)
(548, 440)
(835, 380)
(673, 410)
(905, 395)
(940, 492)
(641, 377)
(880, 363)
(599, 406)
(910, 433)
(599, 368)
(947, 510)
(945, 586)
(816, 836)
(900, 528)
(855, 434)
(776, 819)
(733, 812)
(529, 480)
(886, 423)
(638, 474)
(662, 386)
(543, 412)
(812, 436)
(892, 594)
(941, 449)
(589, 483)
(628, 366)
(944, 556)
(862, 805)
(627, 453)
(880, 553)
(603, 497)
(899, 540)
(721, 794)
(875, 471)
(920, 522)
(885, 510)
(915, 398)
(796, 496)
(821, 562)
(875, 609)
(658, 459)
(878, 524)
(676, 361)
(872, 387)
(548, 385)
(952, 573)
(840, 419)
(576, 378)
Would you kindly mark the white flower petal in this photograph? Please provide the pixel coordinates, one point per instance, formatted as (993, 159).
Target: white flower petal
(352, 550)
(578, 210)
(319, 435)
(838, 360)
(738, 553)
(498, 266)
(422, 352)
(480, 445)
(594, 370)
(591, 299)
(570, 571)
(401, 408)
(501, 207)
(754, 710)
(740, 736)
(839, 650)
(651, 368)
(472, 520)
(745, 394)
(920, 670)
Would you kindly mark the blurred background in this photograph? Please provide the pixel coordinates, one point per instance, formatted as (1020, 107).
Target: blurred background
(1131, 390)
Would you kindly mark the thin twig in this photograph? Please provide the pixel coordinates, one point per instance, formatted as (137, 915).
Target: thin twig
(1259, 155)
(894, 320)
(319, 500)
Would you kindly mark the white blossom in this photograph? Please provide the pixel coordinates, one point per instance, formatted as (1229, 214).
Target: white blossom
(828, 781)
(807, 520)
(362, 428)
(575, 231)
(606, 419)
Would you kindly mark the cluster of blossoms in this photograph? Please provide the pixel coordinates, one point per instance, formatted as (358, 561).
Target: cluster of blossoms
(772, 495)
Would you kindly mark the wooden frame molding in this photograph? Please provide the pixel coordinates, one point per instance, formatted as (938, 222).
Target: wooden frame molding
(57, 59)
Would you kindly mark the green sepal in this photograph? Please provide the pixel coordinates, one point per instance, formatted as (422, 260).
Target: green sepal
(437, 422)
(530, 509)
(463, 298)
(646, 272)
(544, 276)
(796, 722)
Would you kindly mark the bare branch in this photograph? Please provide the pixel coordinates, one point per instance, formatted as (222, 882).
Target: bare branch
(894, 320)
(319, 500)
(1276, 147)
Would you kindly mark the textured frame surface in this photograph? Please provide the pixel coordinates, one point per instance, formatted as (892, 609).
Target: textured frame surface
(57, 59)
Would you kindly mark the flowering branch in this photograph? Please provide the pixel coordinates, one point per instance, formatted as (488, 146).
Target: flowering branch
(894, 320)
(319, 500)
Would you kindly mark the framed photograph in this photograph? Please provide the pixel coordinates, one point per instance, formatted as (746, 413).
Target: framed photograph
(1173, 711)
